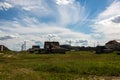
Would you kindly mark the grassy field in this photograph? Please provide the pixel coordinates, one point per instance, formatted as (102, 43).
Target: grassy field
(81, 65)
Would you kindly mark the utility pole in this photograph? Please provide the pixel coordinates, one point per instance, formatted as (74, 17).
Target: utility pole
(69, 41)
(23, 46)
(51, 36)
(98, 43)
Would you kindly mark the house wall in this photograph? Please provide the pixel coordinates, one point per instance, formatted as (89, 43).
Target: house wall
(3, 48)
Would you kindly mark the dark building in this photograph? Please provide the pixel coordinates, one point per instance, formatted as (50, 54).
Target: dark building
(3, 48)
(100, 49)
(65, 46)
(35, 49)
(103, 49)
(53, 47)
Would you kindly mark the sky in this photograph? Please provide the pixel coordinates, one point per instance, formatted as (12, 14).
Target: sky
(83, 22)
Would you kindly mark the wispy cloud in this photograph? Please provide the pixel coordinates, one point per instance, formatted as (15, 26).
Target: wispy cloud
(107, 23)
(64, 2)
(5, 6)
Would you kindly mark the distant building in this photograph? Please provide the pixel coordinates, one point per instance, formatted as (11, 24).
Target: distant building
(35, 49)
(114, 44)
(53, 47)
(103, 49)
(65, 46)
(3, 48)
(109, 47)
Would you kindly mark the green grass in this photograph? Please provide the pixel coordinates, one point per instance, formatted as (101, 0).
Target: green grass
(81, 65)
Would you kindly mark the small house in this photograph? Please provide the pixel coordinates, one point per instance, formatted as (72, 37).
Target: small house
(114, 44)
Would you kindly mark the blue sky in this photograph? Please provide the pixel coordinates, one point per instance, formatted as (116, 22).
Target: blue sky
(76, 20)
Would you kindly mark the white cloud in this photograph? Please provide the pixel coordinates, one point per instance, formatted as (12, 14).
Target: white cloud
(38, 7)
(5, 6)
(106, 24)
(33, 28)
(28, 8)
(64, 2)
(112, 10)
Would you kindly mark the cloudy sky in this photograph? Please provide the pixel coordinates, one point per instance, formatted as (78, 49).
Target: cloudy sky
(36, 21)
